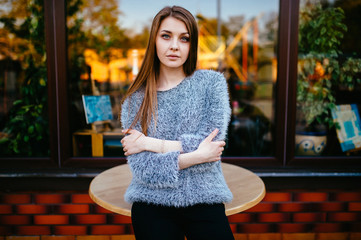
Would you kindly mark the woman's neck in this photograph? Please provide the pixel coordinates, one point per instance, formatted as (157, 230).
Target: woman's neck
(169, 78)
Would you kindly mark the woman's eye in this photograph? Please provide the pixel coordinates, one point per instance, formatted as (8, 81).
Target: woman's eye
(185, 39)
(165, 36)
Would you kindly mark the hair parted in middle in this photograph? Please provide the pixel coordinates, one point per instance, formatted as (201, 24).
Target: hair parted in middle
(149, 71)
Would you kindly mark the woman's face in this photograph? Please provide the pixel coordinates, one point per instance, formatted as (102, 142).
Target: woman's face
(172, 43)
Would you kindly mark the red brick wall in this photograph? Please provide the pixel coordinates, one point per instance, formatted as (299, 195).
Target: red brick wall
(309, 215)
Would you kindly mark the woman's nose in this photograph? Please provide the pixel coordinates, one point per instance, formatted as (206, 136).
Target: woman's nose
(174, 45)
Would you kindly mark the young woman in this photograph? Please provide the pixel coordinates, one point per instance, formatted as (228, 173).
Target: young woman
(175, 120)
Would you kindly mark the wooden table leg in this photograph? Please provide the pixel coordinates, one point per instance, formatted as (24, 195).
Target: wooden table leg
(97, 145)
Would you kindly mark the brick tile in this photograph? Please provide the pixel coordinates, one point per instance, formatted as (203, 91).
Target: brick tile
(273, 217)
(355, 227)
(120, 219)
(50, 198)
(277, 197)
(311, 196)
(99, 209)
(292, 227)
(22, 238)
(262, 207)
(70, 230)
(240, 217)
(107, 229)
(344, 217)
(354, 206)
(299, 236)
(291, 207)
(122, 237)
(32, 209)
(327, 227)
(15, 198)
(331, 206)
(299, 207)
(347, 196)
(131, 229)
(93, 237)
(81, 198)
(51, 219)
(239, 236)
(6, 230)
(33, 230)
(255, 228)
(14, 220)
(6, 209)
(332, 236)
(57, 237)
(233, 227)
(71, 208)
(90, 219)
(309, 217)
(265, 236)
(355, 236)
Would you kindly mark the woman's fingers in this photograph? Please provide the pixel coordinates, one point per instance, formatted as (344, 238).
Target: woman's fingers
(129, 131)
(132, 142)
(212, 135)
(221, 143)
(211, 150)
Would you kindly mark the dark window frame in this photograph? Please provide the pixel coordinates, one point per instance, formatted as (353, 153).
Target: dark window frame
(285, 101)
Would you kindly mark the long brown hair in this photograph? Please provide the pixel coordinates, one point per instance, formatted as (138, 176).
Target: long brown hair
(149, 71)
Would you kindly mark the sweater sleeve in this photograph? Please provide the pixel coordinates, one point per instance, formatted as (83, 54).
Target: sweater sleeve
(156, 170)
(215, 115)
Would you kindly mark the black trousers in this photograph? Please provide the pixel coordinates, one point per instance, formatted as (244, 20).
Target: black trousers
(202, 221)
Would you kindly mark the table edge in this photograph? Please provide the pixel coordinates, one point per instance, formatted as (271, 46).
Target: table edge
(230, 211)
(105, 205)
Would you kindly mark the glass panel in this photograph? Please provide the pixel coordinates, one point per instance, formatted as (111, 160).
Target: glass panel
(329, 78)
(107, 41)
(24, 124)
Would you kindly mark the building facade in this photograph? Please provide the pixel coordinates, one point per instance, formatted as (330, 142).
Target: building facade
(294, 75)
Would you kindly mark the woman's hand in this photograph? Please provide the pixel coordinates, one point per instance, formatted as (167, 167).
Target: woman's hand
(133, 142)
(209, 150)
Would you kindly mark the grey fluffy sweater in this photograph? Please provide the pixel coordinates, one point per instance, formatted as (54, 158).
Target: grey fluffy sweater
(188, 113)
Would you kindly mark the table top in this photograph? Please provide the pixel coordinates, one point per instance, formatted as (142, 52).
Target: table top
(108, 188)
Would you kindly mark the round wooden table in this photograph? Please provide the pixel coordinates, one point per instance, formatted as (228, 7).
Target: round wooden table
(108, 188)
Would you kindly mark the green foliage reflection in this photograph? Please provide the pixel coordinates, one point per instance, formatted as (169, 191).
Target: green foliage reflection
(27, 127)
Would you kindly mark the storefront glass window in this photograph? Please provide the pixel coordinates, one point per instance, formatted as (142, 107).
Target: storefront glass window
(24, 124)
(106, 45)
(329, 78)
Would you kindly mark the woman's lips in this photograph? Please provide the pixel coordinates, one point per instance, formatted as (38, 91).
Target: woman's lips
(172, 56)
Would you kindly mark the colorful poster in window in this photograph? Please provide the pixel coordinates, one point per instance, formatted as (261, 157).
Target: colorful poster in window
(97, 108)
(349, 133)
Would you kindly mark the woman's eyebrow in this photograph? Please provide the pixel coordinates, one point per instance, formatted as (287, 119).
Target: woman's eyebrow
(167, 31)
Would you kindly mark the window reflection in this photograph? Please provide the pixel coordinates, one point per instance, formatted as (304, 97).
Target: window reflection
(329, 78)
(106, 45)
(23, 80)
